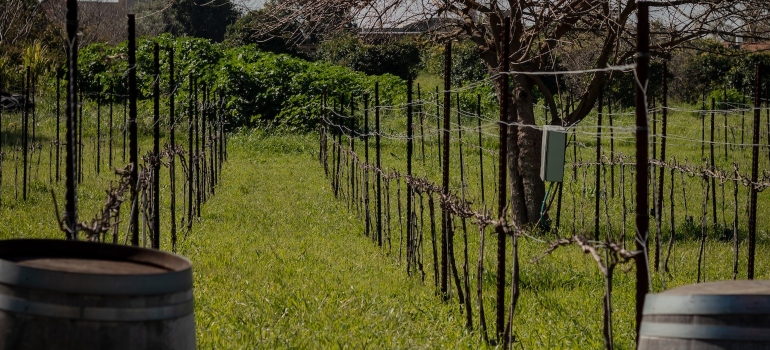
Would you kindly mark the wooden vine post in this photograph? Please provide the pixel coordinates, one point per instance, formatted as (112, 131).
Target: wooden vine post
(409, 149)
(125, 125)
(743, 122)
(352, 175)
(58, 127)
(132, 131)
(190, 154)
(378, 160)
(221, 127)
(481, 149)
(198, 150)
(203, 184)
(502, 198)
(156, 151)
(466, 278)
(367, 216)
(438, 127)
(98, 129)
(31, 92)
(80, 140)
(612, 145)
(338, 147)
(112, 96)
(712, 163)
(445, 216)
(172, 143)
(482, 233)
(642, 155)
(58, 96)
(25, 136)
(754, 173)
(421, 115)
(213, 138)
(659, 204)
(70, 176)
(597, 183)
(324, 133)
(196, 155)
(210, 142)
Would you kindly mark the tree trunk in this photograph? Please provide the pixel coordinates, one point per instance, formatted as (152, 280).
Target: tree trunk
(530, 143)
(524, 143)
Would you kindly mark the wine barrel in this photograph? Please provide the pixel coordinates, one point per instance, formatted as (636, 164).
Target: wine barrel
(716, 315)
(79, 295)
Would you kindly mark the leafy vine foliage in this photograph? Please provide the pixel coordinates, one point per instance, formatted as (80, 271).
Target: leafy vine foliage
(400, 58)
(261, 89)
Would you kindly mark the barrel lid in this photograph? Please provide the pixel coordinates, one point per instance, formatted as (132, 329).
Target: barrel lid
(739, 287)
(92, 268)
(713, 298)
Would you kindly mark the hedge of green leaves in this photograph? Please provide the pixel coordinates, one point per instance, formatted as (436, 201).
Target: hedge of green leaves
(260, 88)
(401, 58)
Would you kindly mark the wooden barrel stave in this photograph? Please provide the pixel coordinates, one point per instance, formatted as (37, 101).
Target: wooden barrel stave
(33, 332)
(717, 315)
(78, 295)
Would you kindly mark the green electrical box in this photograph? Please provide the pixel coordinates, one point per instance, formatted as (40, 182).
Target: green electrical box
(552, 154)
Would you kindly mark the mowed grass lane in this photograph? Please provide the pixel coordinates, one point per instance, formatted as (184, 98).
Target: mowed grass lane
(280, 263)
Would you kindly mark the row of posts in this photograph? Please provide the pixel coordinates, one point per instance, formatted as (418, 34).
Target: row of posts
(506, 127)
(447, 235)
(205, 132)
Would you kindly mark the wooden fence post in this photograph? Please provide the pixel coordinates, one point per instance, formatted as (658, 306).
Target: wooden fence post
(58, 127)
(367, 217)
(25, 135)
(642, 161)
(597, 184)
(446, 221)
(112, 96)
(502, 199)
(156, 151)
(132, 131)
(70, 175)
(172, 143)
(754, 173)
(98, 129)
(190, 154)
(379, 161)
(409, 149)
(438, 129)
(712, 164)
(659, 203)
(421, 115)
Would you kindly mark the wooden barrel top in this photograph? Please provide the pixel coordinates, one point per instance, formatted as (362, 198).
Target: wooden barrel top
(739, 287)
(90, 266)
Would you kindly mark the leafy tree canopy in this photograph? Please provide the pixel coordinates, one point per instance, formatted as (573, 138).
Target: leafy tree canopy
(245, 32)
(276, 28)
(206, 19)
(401, 59)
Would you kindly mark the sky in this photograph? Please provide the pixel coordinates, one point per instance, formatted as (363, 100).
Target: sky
(253, 4)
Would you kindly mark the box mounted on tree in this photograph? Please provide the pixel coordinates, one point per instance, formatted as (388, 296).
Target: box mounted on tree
(552, 155)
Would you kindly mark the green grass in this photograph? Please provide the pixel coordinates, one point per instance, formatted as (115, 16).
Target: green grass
(560, 305)
(277, 262)
(280, 263)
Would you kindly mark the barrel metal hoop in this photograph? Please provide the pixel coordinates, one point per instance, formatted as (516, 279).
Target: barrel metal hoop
(22, 306)
(667, 304)
(700, 331)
